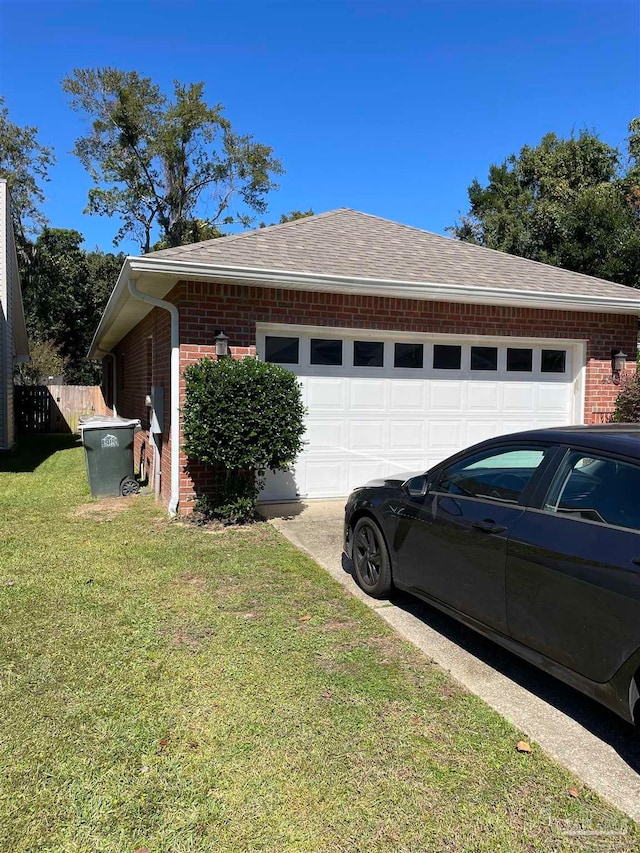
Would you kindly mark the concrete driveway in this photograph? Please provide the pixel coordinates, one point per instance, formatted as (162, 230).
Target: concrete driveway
(587, 739)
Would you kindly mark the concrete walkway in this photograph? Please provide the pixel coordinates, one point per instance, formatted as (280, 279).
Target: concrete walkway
(587, 739)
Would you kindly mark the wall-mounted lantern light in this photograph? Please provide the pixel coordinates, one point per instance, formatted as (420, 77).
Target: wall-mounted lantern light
(618, 365)
(222, 345)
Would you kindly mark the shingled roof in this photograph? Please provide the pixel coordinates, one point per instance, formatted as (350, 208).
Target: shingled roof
(350, 244)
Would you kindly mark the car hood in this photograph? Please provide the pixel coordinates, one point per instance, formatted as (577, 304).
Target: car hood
(393, 480)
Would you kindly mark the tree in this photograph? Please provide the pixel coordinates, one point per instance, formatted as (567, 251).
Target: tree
(295, 214)
(628, 403)
(565, 202)
(163, 163)
(46, 361)
(289, 217)
(64, 297)
(25, 164)
(194, 231)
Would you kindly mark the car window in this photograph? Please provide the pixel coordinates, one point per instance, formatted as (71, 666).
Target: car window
(598, 489)
(499, 474)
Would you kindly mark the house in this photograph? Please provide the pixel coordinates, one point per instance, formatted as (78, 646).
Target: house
(13, 333)
(408, 345)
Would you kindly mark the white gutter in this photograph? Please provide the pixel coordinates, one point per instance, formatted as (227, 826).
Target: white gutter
(431, 290)
(175, 389)
(167, 272)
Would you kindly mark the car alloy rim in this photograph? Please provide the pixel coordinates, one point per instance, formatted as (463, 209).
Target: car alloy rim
(368, 554)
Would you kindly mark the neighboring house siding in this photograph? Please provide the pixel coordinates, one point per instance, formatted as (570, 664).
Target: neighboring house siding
(6, 331)
(13, 284)
(207, 307)
(13, 334)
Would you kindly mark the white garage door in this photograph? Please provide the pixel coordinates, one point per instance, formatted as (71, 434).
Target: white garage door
(383, 403)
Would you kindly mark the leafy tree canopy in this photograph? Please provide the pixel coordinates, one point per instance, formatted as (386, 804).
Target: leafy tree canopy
(25, 164)
(46, 362)
(566, 202)
(165, 163)
(295, 214)
(64, 297)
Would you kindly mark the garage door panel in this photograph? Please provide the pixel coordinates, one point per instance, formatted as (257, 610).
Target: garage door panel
(365, 423)
(481, 430)
(447, 396)
(483, 397)
(553, 398)
(326, 478)
(362, 470)
(518, 397)
(407, 395)
(325, 433)
(369, 434)
(444, 434)
(326, 393)
(509, 426)
(366, 394)
(405, 435)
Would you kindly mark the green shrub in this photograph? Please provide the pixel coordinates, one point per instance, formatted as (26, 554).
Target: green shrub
(628, 403)
(246, 417)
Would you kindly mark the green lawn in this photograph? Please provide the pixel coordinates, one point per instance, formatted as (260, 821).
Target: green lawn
(164, 687)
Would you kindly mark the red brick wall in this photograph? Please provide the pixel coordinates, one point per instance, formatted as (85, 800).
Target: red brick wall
(136, 372)
(207, 307)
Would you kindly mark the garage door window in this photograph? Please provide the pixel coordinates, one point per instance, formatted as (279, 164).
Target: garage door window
(368, 353)
(519, 360)
(446, 357)
(553, 361)
(281, 350)
(326, 352)
(408, 355)
(484, 358)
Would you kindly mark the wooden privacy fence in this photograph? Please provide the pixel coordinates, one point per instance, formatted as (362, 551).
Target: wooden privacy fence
(55, 408)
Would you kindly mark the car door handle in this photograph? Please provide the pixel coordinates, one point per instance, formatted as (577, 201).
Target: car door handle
(488, 526)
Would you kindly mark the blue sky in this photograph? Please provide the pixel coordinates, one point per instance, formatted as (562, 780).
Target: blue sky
(387, 107)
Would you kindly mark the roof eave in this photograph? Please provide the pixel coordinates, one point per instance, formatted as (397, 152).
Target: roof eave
(173, 271)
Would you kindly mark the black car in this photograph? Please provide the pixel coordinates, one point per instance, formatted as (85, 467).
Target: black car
(533, 539)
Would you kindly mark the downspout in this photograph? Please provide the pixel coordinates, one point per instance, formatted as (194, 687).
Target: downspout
(175, 389)
(114, 381)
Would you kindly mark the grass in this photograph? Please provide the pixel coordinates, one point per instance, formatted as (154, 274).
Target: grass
(169, 688)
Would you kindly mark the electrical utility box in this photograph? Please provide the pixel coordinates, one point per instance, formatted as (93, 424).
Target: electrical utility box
(157, 409)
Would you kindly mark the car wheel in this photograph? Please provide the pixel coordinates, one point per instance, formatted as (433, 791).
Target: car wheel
(371, 563)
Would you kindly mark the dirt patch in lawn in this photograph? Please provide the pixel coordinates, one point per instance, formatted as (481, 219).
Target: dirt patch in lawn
(182, 638)
(191, 580)
(105, 509)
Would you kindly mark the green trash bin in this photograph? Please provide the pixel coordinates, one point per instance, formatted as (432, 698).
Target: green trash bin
(108, 445)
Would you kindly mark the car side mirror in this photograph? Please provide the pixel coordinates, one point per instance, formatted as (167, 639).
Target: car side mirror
(417, 487)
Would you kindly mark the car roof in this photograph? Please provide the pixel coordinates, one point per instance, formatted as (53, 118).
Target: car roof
(617, 438)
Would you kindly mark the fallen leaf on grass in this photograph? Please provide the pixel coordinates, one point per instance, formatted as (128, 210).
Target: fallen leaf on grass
(573, 792)
(9, 583)
(523, 746)
(164, 742)
(417, 720)
(141, 850)
(304, 618)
